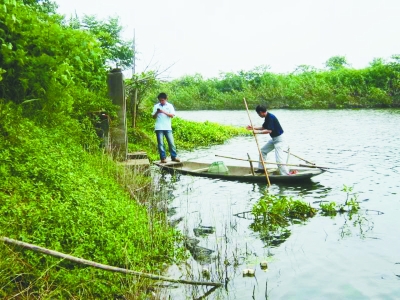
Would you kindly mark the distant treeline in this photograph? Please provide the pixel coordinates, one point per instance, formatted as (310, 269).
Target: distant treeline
(338, 86)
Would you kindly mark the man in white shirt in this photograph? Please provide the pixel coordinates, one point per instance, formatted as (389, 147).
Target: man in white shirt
(163, 112)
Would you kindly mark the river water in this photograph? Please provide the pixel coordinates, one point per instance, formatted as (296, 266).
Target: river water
(323, 258)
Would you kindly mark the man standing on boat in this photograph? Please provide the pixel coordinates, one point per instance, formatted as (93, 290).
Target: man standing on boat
(272, 127)
(163, 112)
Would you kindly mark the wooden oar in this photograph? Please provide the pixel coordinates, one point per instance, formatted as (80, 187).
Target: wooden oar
(258, 146)
(309, 162)
(291, 165)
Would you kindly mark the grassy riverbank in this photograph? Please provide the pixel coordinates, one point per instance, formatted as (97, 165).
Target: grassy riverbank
(60, 192)
(188, 135)
(337, 86)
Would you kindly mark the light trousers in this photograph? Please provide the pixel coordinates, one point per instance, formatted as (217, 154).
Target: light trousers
(278, 144)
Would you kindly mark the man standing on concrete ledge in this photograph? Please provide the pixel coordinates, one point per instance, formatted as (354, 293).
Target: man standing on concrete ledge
(163, 112)
(272, 127)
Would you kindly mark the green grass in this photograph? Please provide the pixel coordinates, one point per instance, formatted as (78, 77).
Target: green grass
(59, 195)
(188, 135)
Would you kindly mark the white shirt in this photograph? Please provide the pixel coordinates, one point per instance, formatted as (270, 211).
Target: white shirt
(163, 122)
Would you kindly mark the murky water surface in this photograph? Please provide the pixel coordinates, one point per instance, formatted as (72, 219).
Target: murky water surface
(324, 258)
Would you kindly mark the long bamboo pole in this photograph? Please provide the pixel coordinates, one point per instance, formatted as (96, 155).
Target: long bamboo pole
(102, 266)
(292, 165)
(258, 146)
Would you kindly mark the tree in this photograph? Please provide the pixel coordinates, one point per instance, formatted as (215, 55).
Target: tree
(396, 58)
(46, 6)
(377, 62)
(336, 63)
(60, 68)
(108, 33)
(138, 87)
(300, 69)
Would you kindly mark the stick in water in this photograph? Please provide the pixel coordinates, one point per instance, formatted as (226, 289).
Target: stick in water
(251, 164)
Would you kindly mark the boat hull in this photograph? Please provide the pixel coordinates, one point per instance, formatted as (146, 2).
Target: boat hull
(238, 173)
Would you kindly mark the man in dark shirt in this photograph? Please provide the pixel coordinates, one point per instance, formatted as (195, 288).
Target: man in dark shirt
(272, 127)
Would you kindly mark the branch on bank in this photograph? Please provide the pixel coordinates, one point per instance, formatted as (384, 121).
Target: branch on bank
(102, 266)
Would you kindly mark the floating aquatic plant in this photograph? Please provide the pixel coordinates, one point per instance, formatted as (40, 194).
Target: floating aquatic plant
(274, 213)
(351, 205)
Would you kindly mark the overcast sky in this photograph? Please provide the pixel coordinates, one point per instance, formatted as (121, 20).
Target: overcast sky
(210, 37)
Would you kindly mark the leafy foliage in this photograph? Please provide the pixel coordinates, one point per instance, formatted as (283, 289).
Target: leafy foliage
(336, 62)
(339, 87)
(138, 89)
(351, 205)
(60, 68)
(57, 190)
(55, 194)
(47, 6)
(274, 213)
(188, 135)
(108, 34)
(350, 211)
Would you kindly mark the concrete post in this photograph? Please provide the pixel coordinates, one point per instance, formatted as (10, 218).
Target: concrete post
(118, 132)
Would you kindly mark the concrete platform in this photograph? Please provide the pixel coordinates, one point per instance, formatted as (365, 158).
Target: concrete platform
(137, 155)
(137, 160)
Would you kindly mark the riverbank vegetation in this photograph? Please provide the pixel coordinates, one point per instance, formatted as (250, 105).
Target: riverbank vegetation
(60, 191)
(337, 86)
(62, 196)
(188, 135)
(274, 214)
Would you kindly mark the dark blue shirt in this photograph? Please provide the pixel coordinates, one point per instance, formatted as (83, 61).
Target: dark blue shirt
(272, 123)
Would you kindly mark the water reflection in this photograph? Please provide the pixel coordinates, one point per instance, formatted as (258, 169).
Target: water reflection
(208, 205)
(355, 224)
(301, 189)
(272, 216)
(273, 226)
(303, 264)
(309, 189)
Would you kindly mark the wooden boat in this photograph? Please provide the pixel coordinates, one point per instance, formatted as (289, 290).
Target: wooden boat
(237, 173)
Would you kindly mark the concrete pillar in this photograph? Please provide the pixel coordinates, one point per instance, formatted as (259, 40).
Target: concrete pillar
(118, 130)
